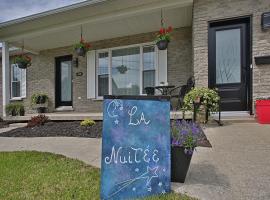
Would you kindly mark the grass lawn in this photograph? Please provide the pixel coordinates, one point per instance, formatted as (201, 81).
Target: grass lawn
(35, 175)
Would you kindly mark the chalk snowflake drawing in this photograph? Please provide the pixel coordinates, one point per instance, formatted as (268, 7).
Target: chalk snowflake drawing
(149, 175)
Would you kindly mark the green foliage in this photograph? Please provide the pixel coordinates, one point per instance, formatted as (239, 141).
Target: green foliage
(88, 122)
(24, 59)
(83, 45)
(36, 98)
(15, 109)
(208, 98)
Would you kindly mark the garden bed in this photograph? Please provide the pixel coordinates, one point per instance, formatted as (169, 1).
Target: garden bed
(71, 129)
(3, 124)
(52, 129)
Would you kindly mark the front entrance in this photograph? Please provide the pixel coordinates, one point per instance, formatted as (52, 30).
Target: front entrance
(63, 81)
(229, 63)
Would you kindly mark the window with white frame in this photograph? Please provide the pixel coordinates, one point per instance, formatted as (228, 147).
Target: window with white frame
(18, 82)
(126, 70)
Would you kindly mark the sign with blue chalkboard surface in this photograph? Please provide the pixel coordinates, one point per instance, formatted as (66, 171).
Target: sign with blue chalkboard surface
(135, 147)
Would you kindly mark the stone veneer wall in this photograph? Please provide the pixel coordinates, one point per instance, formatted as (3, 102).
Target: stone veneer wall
(41, 75)
(208, 10)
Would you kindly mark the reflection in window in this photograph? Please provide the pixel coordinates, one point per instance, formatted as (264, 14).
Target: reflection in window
(148, 67)
(16, 77)
(126, 71)
(103, 74)
(228, 56)
(66, 81)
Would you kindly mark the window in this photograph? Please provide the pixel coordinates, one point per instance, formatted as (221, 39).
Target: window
(126, 70)
(103, 73)
(148, 67)
(18, 82)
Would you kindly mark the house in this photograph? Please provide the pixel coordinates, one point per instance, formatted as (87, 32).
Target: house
(214, 40)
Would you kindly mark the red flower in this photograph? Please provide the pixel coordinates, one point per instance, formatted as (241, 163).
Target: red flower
(162, 31)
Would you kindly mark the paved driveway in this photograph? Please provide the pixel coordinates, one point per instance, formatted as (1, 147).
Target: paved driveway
(237, 167)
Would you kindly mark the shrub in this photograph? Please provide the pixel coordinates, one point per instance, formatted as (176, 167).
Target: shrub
(207, 97)
(39, 120)
(88, 122)
(15, 109)
(39, 98)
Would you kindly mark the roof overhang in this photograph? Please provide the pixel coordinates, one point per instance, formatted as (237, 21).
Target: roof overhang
(100, 19)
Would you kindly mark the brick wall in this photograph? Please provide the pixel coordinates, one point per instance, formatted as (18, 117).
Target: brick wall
(208, 10)
(41, 75)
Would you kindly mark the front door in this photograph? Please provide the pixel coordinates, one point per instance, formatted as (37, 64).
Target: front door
(229, 64)
(63, 81)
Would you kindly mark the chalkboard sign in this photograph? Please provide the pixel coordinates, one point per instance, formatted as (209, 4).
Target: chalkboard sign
(135, 147)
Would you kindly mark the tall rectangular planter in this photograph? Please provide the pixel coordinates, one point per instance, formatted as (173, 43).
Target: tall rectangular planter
(263, 111)
(179, 164)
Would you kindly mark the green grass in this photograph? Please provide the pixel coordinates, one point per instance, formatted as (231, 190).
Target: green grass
(35, 175)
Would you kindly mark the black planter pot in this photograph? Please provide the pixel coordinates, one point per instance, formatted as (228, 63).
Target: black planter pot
(22, 65)
(42, 99)
(162, 44)
(80, 51)
(38, 100)
(41, 109)
(179, 164)
(22, 113)
(13, 113)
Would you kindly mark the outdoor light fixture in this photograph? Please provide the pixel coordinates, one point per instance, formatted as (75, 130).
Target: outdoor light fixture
(75, 62)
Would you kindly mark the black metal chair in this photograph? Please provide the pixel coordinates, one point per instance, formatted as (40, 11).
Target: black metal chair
(150, 90)
(183, 90)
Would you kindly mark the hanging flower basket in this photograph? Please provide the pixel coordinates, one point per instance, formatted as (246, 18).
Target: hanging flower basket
(122, 69)
(82, 47)
(22, 61)
(163, 38)
(162, 44)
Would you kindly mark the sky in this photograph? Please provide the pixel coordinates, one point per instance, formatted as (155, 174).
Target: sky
(13, 9)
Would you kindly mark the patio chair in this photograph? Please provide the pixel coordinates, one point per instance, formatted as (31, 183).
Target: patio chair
(183, 90)
(150, 90)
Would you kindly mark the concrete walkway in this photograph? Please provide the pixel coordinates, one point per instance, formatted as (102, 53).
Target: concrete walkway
(236, 168)
(85, 149)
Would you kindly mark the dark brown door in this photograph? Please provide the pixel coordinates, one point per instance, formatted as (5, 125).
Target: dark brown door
(229, 64)
(63, 81)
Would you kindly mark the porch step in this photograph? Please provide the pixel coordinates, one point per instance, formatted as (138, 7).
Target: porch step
(236, 117)
(64, 108)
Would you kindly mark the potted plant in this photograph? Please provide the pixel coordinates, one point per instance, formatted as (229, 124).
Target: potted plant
(163, 38)
(185, 136)
(207, 99)
(263, 110)
(15, 109)
(22, 61)
(82, 47)
(40, 102)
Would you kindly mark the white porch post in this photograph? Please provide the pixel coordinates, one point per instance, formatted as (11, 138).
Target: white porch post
(5, 76)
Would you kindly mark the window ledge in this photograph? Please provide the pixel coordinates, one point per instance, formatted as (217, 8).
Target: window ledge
(98, 99)
(16, 99)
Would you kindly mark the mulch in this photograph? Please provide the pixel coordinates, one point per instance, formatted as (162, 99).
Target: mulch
(71, 129)
(53, 129)
(3, 124)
